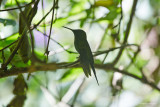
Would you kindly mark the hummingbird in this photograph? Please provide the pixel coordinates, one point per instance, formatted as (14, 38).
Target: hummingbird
(83, 48)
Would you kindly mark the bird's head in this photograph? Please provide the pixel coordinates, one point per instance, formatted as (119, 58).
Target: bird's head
(77, 32)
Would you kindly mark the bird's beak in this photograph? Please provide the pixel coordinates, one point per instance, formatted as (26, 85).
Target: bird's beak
(68, 28)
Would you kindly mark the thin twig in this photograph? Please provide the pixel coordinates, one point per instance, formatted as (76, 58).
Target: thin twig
(112, 49)
(127, 31)
(8, 45)
(100, 43)
(133, 58)
(16, 7)
(26, 21)
(3, 57)
(18, 44)
(119, 24)
(98, 53)
(13, 53)
(138, 78)
(104, 58)
(44, 23)
(42, 19)
(70, 52)
(54, 5)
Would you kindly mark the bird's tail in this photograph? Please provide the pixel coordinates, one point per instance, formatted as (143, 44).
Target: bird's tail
(94, 71)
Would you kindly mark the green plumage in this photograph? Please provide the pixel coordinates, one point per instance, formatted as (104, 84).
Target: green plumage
(83, 48)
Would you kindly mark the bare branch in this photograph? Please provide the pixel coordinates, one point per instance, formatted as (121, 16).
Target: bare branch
(52, 67)
(127, 31)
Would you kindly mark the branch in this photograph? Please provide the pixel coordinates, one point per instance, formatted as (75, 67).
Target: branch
(55, 66)
(16, 7)
(8, 45)
(35, 26)
(112, 49)
(4, 66)
(70, 52)
(127, 31)
(16, 71)
(54, 5)
(47, 52)
(153, 85)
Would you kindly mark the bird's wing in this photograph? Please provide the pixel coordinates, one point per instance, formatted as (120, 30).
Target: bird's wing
(86, 60)
(87, 55)
(85, 63)
(83, 47)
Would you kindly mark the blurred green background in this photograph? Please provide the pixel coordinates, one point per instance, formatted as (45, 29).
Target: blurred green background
(106, 23)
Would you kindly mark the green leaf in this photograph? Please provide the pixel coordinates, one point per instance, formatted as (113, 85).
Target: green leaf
(7, 22)
(77, 7)
(98, 61)
(60, 22)
(8, 40)
(71, 74)
(25, 48)
(10, 3)
(84, 20)
(40, 55)
(16, 61)
(114, 11)
(141, 62)
(133, 70)
(13, 37)
(5, 43)
(111, 15)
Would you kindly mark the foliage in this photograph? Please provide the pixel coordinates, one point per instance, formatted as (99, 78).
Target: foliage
(123, 36)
